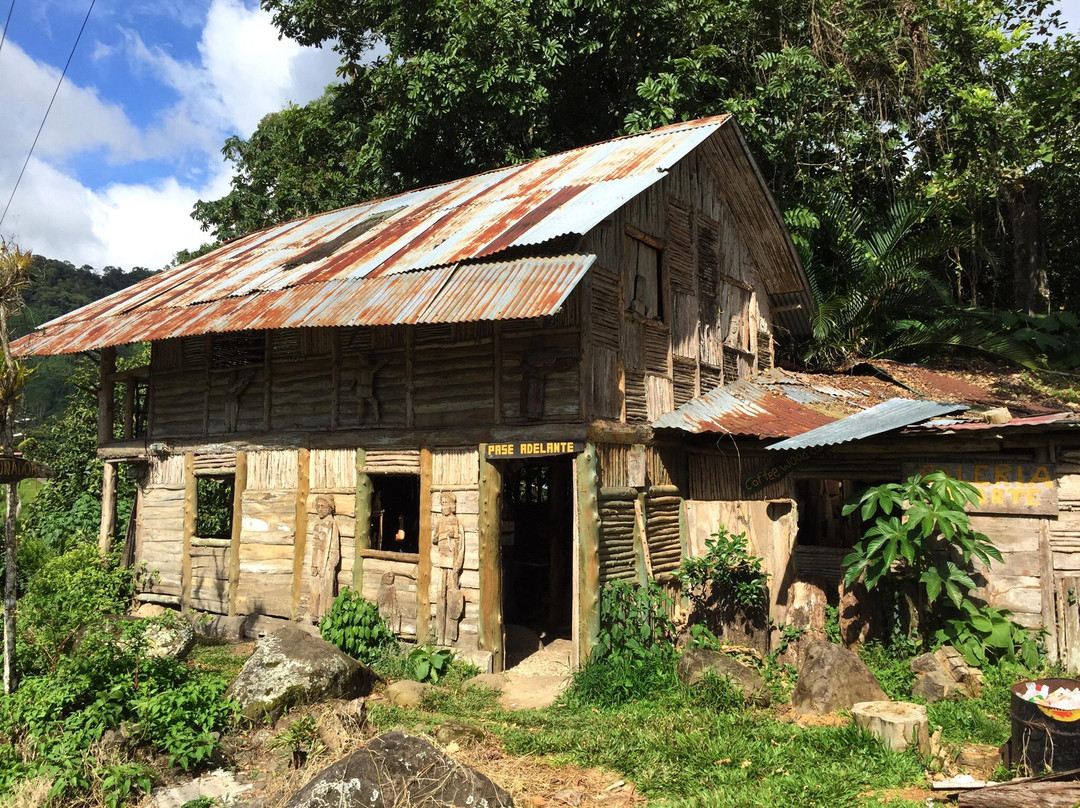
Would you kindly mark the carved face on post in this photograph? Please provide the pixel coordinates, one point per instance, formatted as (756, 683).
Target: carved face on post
(448, 500)
(324, 507)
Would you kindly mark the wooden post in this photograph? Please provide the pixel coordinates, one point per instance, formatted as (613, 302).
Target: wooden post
(129, 408)
(423, 569)
(364, 493)
(303, 487)
(491, 602)
(191, 504)
(588, 556)
(1046, 571)
(642, 562)
(108, 509)
(239, 484)
(106, 405)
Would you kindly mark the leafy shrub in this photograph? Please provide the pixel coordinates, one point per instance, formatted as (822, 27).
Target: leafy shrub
(917, 544)
(70, 592)
(428, 664)
(54, 718)
(983, 633)
(727, 570)
(355, 626)
(634, 657)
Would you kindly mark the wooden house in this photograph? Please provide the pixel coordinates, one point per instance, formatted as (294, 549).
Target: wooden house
(443, 398)
(479, 402)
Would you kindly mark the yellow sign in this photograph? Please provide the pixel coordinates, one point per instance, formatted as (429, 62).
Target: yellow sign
(508, 451)
(1006, 486)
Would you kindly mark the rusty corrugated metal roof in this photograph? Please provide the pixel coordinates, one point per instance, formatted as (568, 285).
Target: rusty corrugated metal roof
(496, 290)
(1064, 419)
(895, 413)
(744, 407)
(308, 271)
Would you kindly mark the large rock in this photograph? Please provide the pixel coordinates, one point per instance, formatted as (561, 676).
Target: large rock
(168, 636)
(291, 667)
(407, 693)
(900, 725)
(696, 663)
(832, 678)
(396, 770)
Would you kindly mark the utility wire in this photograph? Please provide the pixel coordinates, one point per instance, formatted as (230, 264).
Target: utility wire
(7, 22)
(48, 109)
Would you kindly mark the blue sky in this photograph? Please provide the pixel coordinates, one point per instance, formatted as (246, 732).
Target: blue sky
(135, 135)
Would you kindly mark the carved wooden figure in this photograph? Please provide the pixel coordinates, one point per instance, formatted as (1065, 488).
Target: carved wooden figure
(366, 370)
(388, 604)
(447, 561)
(325, 557)
(237, 385)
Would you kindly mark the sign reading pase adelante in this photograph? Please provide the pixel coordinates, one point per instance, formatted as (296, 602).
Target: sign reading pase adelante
(1006, 485)
(513, 449)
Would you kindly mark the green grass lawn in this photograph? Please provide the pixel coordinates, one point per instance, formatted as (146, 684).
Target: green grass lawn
(687, 754)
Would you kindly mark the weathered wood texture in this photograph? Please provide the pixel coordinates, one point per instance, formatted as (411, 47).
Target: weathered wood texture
(313, 380)
(108, 509)
(423, 574)
(587, 608)
(239, 486)
(490, 625)
(1015, 583)
(1024, 795)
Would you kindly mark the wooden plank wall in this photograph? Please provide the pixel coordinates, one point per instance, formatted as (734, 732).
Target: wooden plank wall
(427, 377)
(715, 324)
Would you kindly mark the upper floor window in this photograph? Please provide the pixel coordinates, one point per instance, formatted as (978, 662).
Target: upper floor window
(646, 273)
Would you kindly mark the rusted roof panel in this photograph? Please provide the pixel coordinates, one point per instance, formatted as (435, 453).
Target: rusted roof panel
(1063, 419)
(893, 414)
(744, 408)
(305, 272)
(498, 290)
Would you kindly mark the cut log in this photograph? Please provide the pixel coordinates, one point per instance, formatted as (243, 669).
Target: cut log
(1028, 794)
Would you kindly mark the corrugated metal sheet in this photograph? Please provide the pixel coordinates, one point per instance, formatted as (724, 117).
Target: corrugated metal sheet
(744, 408)
(499, 290)
(1064, 419)
(893, 414)
(310, 268)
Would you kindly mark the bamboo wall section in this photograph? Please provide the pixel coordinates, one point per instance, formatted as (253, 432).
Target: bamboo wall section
(715, 324)
(309, 380)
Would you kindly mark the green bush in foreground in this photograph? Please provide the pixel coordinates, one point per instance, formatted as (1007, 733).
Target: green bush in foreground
(355, 626)
(107, 682)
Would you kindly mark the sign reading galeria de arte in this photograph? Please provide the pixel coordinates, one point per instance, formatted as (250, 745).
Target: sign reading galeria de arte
(513, 449)
(1007, 486)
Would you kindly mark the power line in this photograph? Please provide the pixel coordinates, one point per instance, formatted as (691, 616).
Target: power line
(7, 22)
(48, 109)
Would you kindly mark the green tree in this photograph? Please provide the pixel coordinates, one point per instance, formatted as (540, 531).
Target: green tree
(958, 103)
(14, 279)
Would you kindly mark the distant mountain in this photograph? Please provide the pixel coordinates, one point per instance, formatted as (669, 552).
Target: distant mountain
(60, 287)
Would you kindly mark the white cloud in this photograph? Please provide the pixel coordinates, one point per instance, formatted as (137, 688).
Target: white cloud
(242, 73)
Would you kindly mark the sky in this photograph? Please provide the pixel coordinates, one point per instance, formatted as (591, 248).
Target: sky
(135, 135)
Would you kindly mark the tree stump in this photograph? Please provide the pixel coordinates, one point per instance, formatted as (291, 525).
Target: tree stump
(899, 725)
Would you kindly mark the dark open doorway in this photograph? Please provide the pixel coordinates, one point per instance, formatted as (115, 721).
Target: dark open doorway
(537, 538)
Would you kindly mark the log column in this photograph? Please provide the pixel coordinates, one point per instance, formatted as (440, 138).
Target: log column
(364, 492)
(108, 509)
(423, 568)
(303, 486)
(587, 570)
(239, 484)
(491, 584)
(106, 405)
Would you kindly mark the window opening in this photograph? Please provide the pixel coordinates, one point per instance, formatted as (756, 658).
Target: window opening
(395, 513)
(646, 267)
(214, 507)
(237, 349)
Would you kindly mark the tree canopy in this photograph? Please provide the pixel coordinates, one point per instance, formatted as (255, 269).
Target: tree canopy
(970, 109)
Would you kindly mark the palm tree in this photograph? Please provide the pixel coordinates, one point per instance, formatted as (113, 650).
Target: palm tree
(14, 279)
(880, 297)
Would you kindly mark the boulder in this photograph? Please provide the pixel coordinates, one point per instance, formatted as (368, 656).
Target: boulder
(832, 678)
(449, 732)
(397, 769)
(291, 667)
(696, 663)
(407, 693)
(146, 610)
(487, 681)
(900, 725)
(168, 636)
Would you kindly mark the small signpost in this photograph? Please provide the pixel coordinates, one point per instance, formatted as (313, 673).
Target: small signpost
(14, 468)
